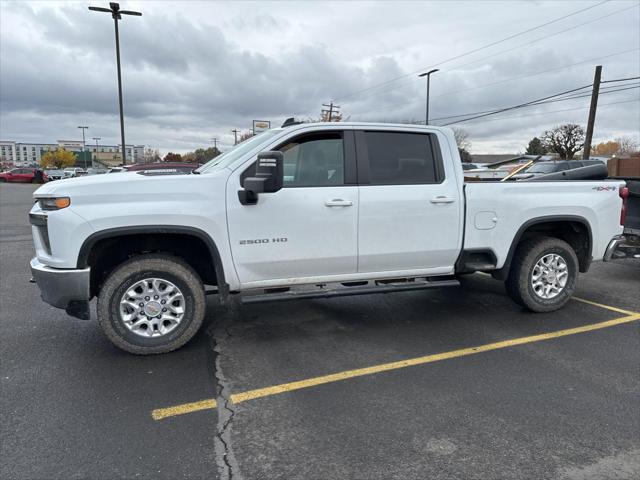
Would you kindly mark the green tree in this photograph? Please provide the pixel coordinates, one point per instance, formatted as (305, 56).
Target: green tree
(59, 158)
(536, 147)
(565, 140)
(201, 155)
(172, 157)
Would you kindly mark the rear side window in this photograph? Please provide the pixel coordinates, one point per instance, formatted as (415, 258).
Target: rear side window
(398, 158)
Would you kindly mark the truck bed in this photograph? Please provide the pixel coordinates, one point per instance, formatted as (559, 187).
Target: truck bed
(495, 211)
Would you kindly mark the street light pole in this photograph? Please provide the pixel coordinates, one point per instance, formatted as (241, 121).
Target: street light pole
(96, 139)
(428, 75)
(83, 145)
(116, 13)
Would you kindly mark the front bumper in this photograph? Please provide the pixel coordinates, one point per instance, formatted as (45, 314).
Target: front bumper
(63, 288)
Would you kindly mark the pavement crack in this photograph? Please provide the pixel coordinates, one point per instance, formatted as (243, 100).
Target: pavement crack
(227, 466)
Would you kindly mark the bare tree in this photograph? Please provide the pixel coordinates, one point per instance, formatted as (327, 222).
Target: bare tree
(462, 138)
(626, 145)
(245, 136)
(565, 140)
(464, 145)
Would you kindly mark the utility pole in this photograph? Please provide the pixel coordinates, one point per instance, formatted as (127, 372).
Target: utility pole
(116, 13)
(96, 139)
(331, 108)
(215, 143)
(586, 151)
(235, 136)
(428, 75)
(83, 144)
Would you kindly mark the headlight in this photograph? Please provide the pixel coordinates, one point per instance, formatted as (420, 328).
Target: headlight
(54, 203)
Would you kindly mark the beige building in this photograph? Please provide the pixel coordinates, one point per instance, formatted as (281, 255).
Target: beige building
(27, 154)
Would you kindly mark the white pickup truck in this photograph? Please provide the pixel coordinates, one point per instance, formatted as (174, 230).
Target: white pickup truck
(307, 211)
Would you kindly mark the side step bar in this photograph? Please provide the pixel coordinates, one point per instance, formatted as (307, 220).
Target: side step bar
(328, 290)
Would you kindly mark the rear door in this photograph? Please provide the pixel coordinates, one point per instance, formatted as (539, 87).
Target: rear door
(24, 175)
(410, 204)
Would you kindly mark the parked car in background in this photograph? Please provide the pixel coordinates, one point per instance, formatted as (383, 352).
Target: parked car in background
(178, 167)
(543, 168)
(24, 175)
(54, 174)
(469, 166)
(70, 172)
(97, 171)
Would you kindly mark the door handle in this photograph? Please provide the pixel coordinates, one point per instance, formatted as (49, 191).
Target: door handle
(442, 199)
(338, 202)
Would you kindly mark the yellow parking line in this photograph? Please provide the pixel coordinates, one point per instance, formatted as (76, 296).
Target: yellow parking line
(606, 307)
(161, 413)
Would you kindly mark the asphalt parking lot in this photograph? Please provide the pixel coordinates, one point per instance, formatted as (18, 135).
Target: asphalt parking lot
(444, 384)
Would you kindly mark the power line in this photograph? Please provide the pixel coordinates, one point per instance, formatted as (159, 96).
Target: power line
(542, 101)
(332, 108)
(509, 79)
(490, 112)
(548, 36)
(620, 80)
(496, 53)
(558, 111)
(478, 49)
(536, 73)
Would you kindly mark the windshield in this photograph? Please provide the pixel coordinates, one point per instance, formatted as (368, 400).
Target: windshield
(227, 158)
(542, 168)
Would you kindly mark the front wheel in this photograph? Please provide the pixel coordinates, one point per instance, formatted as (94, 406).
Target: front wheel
(151, 304)
(543, 274)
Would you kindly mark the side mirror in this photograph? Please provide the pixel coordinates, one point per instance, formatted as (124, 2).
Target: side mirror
(268, 178)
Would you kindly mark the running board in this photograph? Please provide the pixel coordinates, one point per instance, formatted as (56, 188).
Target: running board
(327, 290)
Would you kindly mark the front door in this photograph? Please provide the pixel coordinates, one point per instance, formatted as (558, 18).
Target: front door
(410, 211)
(308, 229)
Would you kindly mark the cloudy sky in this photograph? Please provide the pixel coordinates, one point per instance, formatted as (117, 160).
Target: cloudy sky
(196, 70)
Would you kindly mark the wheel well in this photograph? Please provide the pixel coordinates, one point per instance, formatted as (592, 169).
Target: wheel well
(107, 253)
(573, 231)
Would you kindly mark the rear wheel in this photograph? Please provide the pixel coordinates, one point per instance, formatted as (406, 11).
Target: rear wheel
(151, 304)
(543, 274)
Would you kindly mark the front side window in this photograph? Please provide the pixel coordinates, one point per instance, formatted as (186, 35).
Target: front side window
(398, 158)
(310, 160)
(314, 160)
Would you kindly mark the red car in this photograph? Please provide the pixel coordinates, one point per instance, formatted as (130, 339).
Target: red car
(24, 175)
(179, 166)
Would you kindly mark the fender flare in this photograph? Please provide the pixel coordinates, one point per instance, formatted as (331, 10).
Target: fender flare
(91, 240)
(502, 273)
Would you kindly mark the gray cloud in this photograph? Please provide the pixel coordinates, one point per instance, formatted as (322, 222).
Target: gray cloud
(212, 67)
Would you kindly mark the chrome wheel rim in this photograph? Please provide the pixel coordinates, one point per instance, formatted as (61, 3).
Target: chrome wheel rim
(152, 307)
(549, 276)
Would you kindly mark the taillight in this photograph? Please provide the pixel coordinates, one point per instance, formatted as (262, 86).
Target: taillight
(624, 194)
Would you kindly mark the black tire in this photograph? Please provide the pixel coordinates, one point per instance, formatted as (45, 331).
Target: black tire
(169, 268)
(528, 253)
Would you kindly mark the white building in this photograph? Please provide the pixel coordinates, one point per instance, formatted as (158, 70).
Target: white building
(26, 154)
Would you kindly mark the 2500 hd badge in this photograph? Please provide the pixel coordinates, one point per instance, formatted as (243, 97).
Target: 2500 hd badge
(263, 240)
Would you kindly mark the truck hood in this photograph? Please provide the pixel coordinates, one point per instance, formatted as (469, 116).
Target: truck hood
(112, 188)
